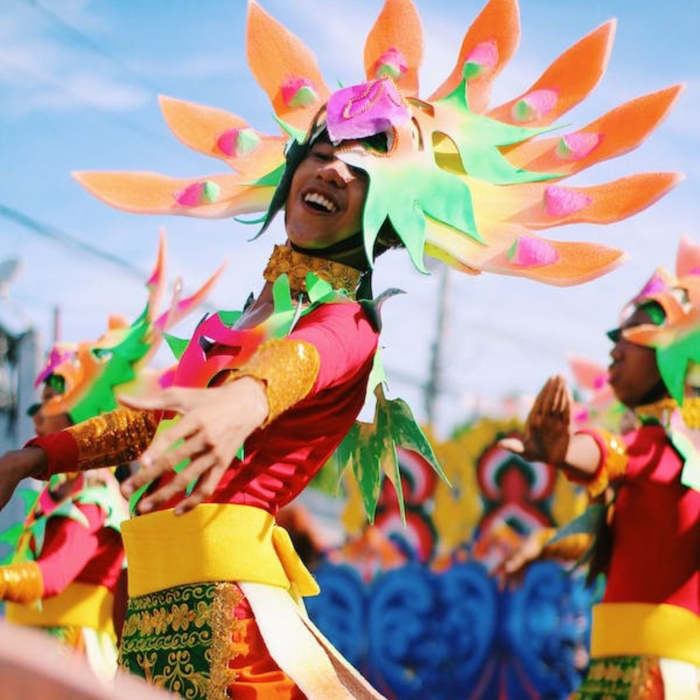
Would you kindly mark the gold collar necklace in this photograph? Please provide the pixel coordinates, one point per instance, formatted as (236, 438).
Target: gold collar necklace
(286, 260)
(662, 410)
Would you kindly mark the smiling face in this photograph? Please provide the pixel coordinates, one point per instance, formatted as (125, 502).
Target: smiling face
(326, 199)
(633, 373)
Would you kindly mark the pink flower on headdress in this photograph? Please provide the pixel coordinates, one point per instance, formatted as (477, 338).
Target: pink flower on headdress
(364, 110)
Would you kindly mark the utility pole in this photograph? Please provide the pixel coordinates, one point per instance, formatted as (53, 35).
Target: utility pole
(433, 386)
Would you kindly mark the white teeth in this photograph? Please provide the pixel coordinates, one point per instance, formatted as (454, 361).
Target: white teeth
(321, 201)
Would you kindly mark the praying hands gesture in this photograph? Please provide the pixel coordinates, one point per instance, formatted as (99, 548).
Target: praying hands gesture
(547, 427)
(215, 422)
(548, 435)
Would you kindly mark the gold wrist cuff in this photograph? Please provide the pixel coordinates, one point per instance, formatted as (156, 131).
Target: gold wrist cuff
(21, 583)
(113, 438)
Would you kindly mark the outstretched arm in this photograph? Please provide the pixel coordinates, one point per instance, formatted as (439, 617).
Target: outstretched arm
(113, 438)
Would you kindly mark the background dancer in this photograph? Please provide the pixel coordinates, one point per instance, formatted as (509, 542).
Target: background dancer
(645, 534)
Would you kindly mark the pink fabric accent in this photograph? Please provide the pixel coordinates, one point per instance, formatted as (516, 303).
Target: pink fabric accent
(561, 201)
(657, 283)
(190, 196)
(394, 59)
(226, 142)
(485, 54)
(577, 145)
(600, 382)
(56, 358)
(290, 88)
(364, 110)
(531, 252)
(541, 102)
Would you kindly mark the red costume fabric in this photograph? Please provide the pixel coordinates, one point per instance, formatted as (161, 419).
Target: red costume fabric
(75, 553)
(283, 457)
(656, 526)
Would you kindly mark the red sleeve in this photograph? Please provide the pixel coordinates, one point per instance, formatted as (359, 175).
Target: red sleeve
(344, 339)
(68, 547)
(61, 451)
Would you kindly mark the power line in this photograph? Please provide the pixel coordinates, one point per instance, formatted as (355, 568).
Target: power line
(53, 233)
(48, 231)
(54, 82)
(90, 44)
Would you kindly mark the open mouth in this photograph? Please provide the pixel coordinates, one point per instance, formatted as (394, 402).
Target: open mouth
(319, 203)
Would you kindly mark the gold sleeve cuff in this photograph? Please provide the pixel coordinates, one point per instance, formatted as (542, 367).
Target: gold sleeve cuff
(288, 368)
(21, 583)
(613, 467)
(569, 548)
(113, 438)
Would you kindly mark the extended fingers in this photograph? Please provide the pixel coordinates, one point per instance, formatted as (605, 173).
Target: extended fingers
(185, 429)
(172, 399)
(203, 490)
(178, 483)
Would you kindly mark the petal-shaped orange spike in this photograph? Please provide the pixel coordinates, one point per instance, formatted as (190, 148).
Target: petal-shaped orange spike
(152, 193)
(613, 134)
(182, 307)
(588, 374)
(687, 258)
(460, 250)
(554, 205)
(279, 61)
(203, 129)
(498, 24)
(397, 28)
(157, 281)
(564, 84)
(576, 263)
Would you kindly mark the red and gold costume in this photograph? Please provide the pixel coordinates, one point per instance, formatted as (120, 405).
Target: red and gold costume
(208, 587)
(67, 582)
(645, 640)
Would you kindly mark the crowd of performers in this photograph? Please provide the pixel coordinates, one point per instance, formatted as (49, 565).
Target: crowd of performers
(261, 398)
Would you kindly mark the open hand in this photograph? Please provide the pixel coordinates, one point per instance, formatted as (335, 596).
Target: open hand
(547, 427)
(512, 570)
(214, 424)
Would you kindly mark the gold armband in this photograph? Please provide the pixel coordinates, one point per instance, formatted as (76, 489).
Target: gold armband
(613, 467)
(288, 368)
(113, 438)
(21, 583)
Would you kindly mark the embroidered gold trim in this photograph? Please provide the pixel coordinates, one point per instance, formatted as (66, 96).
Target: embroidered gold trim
(113, 438)
(661, 410)
(289, 369)
(690, 410)
(224, 624)
(286, 260)
(613, 467)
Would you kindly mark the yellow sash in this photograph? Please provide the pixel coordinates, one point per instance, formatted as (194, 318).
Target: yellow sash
(212, 542)
(80, 604)
(643, 629)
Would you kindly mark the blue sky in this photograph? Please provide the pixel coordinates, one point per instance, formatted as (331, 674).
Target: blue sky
(78, 86)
